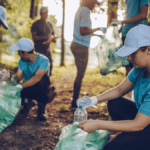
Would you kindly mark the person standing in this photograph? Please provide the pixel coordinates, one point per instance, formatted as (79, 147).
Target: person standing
(81, 40)
(43, 35)
(136, 13)
(3, 18)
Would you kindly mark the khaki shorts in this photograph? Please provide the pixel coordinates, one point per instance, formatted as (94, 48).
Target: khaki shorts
(80, 53)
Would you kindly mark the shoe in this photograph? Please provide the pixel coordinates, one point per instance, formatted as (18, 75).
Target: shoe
(74, 106)
(42, 117)
(41, 112)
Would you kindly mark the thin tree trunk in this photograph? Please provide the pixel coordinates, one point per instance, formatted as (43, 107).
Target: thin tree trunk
(62, 37)
(34, 8)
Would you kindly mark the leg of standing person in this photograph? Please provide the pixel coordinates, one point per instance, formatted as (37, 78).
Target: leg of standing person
(81, 59)
(123, 109)
(38, 92)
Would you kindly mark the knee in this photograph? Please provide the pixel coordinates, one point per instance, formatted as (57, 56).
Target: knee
(111, 105)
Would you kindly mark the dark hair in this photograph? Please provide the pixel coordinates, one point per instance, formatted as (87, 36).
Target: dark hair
(143, 48)
(28, 52)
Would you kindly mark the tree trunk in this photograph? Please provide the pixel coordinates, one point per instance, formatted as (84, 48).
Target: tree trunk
(62, 37)
(112, 10)
(34, 8)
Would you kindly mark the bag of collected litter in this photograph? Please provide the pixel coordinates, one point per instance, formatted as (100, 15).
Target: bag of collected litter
(10, 101)
(74, 138)
(107, 59)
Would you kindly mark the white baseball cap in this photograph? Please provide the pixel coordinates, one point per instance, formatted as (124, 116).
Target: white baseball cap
(137, 37)
(3, 17)
(24, 44)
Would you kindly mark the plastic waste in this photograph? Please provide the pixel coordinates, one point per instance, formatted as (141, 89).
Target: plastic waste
(74, 138)
(111, 42)
(10, 100)
(80, 114)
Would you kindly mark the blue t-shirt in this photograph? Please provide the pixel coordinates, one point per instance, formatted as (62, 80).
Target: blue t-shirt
(132, 9)
(29, 69)
(141, 90)
(82, 19)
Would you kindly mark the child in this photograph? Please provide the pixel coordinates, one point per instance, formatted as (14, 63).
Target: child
(132, 119)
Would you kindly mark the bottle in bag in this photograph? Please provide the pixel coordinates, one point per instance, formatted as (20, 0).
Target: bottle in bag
(80, 114)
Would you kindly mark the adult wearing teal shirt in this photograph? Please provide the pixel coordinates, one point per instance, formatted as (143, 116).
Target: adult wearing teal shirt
(81, 40)
(130, 118)
(33, 68)
(136, 13)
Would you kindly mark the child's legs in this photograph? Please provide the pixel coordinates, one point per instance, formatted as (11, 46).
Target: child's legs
(130, 141)
(123, 109)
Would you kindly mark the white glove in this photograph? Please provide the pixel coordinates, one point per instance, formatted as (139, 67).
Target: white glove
(116, 22)
(86, 102)
(19, 86)
(103, 29)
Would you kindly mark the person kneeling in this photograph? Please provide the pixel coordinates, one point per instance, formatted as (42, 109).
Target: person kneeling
(33, 68)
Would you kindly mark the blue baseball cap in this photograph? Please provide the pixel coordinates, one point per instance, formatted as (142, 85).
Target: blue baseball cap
(24, 44)
(137, 37)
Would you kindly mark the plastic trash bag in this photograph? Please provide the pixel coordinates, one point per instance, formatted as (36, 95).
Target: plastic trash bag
(73, 138)
(10, 101)
(111, 42)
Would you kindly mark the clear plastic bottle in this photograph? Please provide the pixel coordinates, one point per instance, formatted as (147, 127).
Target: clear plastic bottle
(80, 114)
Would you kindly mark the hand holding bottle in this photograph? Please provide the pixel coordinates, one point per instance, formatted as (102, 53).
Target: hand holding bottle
(88, 101)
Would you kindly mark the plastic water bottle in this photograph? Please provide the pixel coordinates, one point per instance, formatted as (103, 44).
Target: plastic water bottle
(80, 114)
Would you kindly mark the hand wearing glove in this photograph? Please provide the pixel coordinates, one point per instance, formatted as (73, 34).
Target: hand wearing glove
(86, 102)
(116, 22)
(19, 86)
(103, 29)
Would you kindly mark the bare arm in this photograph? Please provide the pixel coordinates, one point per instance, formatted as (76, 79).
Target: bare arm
(139, 17)
(87, 31)
(139, 123)
(118, 91)
(19, 75)
(35, 79)
(35, 37)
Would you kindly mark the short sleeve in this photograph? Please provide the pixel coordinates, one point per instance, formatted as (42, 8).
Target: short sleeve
(132, 75)
(144, 109)
(52, 30)
(144, 2)
(20, 66)
(85, 18)
(44, 64)
(34, 27)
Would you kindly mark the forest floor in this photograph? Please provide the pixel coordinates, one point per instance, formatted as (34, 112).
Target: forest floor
(27, 133)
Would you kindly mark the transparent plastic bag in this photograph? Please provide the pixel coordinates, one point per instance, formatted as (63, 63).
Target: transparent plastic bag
(73, 138)
(10, 101)
(111, 42)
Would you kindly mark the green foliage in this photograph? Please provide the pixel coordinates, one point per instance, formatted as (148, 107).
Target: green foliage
(63, 107)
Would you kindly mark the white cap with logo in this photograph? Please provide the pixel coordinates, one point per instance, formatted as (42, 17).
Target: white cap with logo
(137, 37)
(3, 17)
(24, 44)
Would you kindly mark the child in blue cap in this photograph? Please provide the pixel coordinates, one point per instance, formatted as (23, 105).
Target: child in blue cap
(132, 119)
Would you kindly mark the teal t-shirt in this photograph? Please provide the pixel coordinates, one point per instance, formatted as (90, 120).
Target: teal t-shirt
(132, 9)
(82, 19)
(141, 90)
(29, 69)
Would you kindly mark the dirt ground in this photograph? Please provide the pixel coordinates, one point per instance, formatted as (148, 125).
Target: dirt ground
(27, 133)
